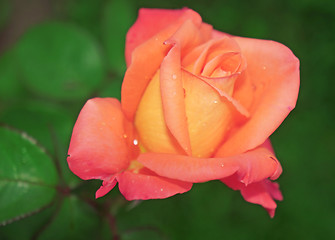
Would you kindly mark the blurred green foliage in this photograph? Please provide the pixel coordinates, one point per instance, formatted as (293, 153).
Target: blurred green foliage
(60, 61)
(4, 12)
(56, 65)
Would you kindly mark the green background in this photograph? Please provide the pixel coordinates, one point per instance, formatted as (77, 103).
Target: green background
(54, 55)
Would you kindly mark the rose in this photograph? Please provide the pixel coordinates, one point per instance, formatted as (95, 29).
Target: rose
(196, 105)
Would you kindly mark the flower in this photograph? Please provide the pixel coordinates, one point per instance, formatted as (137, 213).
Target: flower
(196, 105)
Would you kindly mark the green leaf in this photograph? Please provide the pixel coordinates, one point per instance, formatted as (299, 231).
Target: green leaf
(27, 176)
(118, 16)
(50, 124)
(75, 220)
(40, 119)
(28, 227)
(61, 61)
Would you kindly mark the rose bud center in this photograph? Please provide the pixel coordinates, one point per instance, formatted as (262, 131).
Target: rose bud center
(208, 74)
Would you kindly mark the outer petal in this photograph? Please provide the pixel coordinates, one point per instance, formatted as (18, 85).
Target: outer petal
(254, 171)
(249, 167)
(98, 148)
(152, 21)
(145, 184)
(149, 49)
(262, 193)
(271, 82)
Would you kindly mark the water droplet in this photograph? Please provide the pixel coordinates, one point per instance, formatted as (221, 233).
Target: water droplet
(222, 165)
(135, 142)
(174, 76)
(264, 67)
(215, 101)
(161, 189)
(125, 135)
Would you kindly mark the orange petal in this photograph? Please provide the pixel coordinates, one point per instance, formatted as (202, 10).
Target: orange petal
(147, 185)
(204, 53)
(263, 193)
(150, 124)
(258, 169)
(208, 118)
(98, 148)
(151, 22)
(272, 82)
(187, 37)
(208, 115)
(190, 35)
(173, 98)
(223, 86)
(229, 62)
(252, 166)
(186, 168)
(147, 51)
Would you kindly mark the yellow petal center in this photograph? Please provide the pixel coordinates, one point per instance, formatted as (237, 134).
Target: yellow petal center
(208, 118)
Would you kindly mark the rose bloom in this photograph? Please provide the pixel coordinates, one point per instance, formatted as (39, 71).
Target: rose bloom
(196, 105)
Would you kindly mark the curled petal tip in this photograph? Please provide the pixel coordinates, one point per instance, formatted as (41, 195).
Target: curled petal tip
(107, 186)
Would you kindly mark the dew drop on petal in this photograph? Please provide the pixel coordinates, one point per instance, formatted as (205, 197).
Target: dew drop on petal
(174, 76)
(135, 142)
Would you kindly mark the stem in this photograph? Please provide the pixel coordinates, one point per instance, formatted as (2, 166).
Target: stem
(56, 159)
(112, 225)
